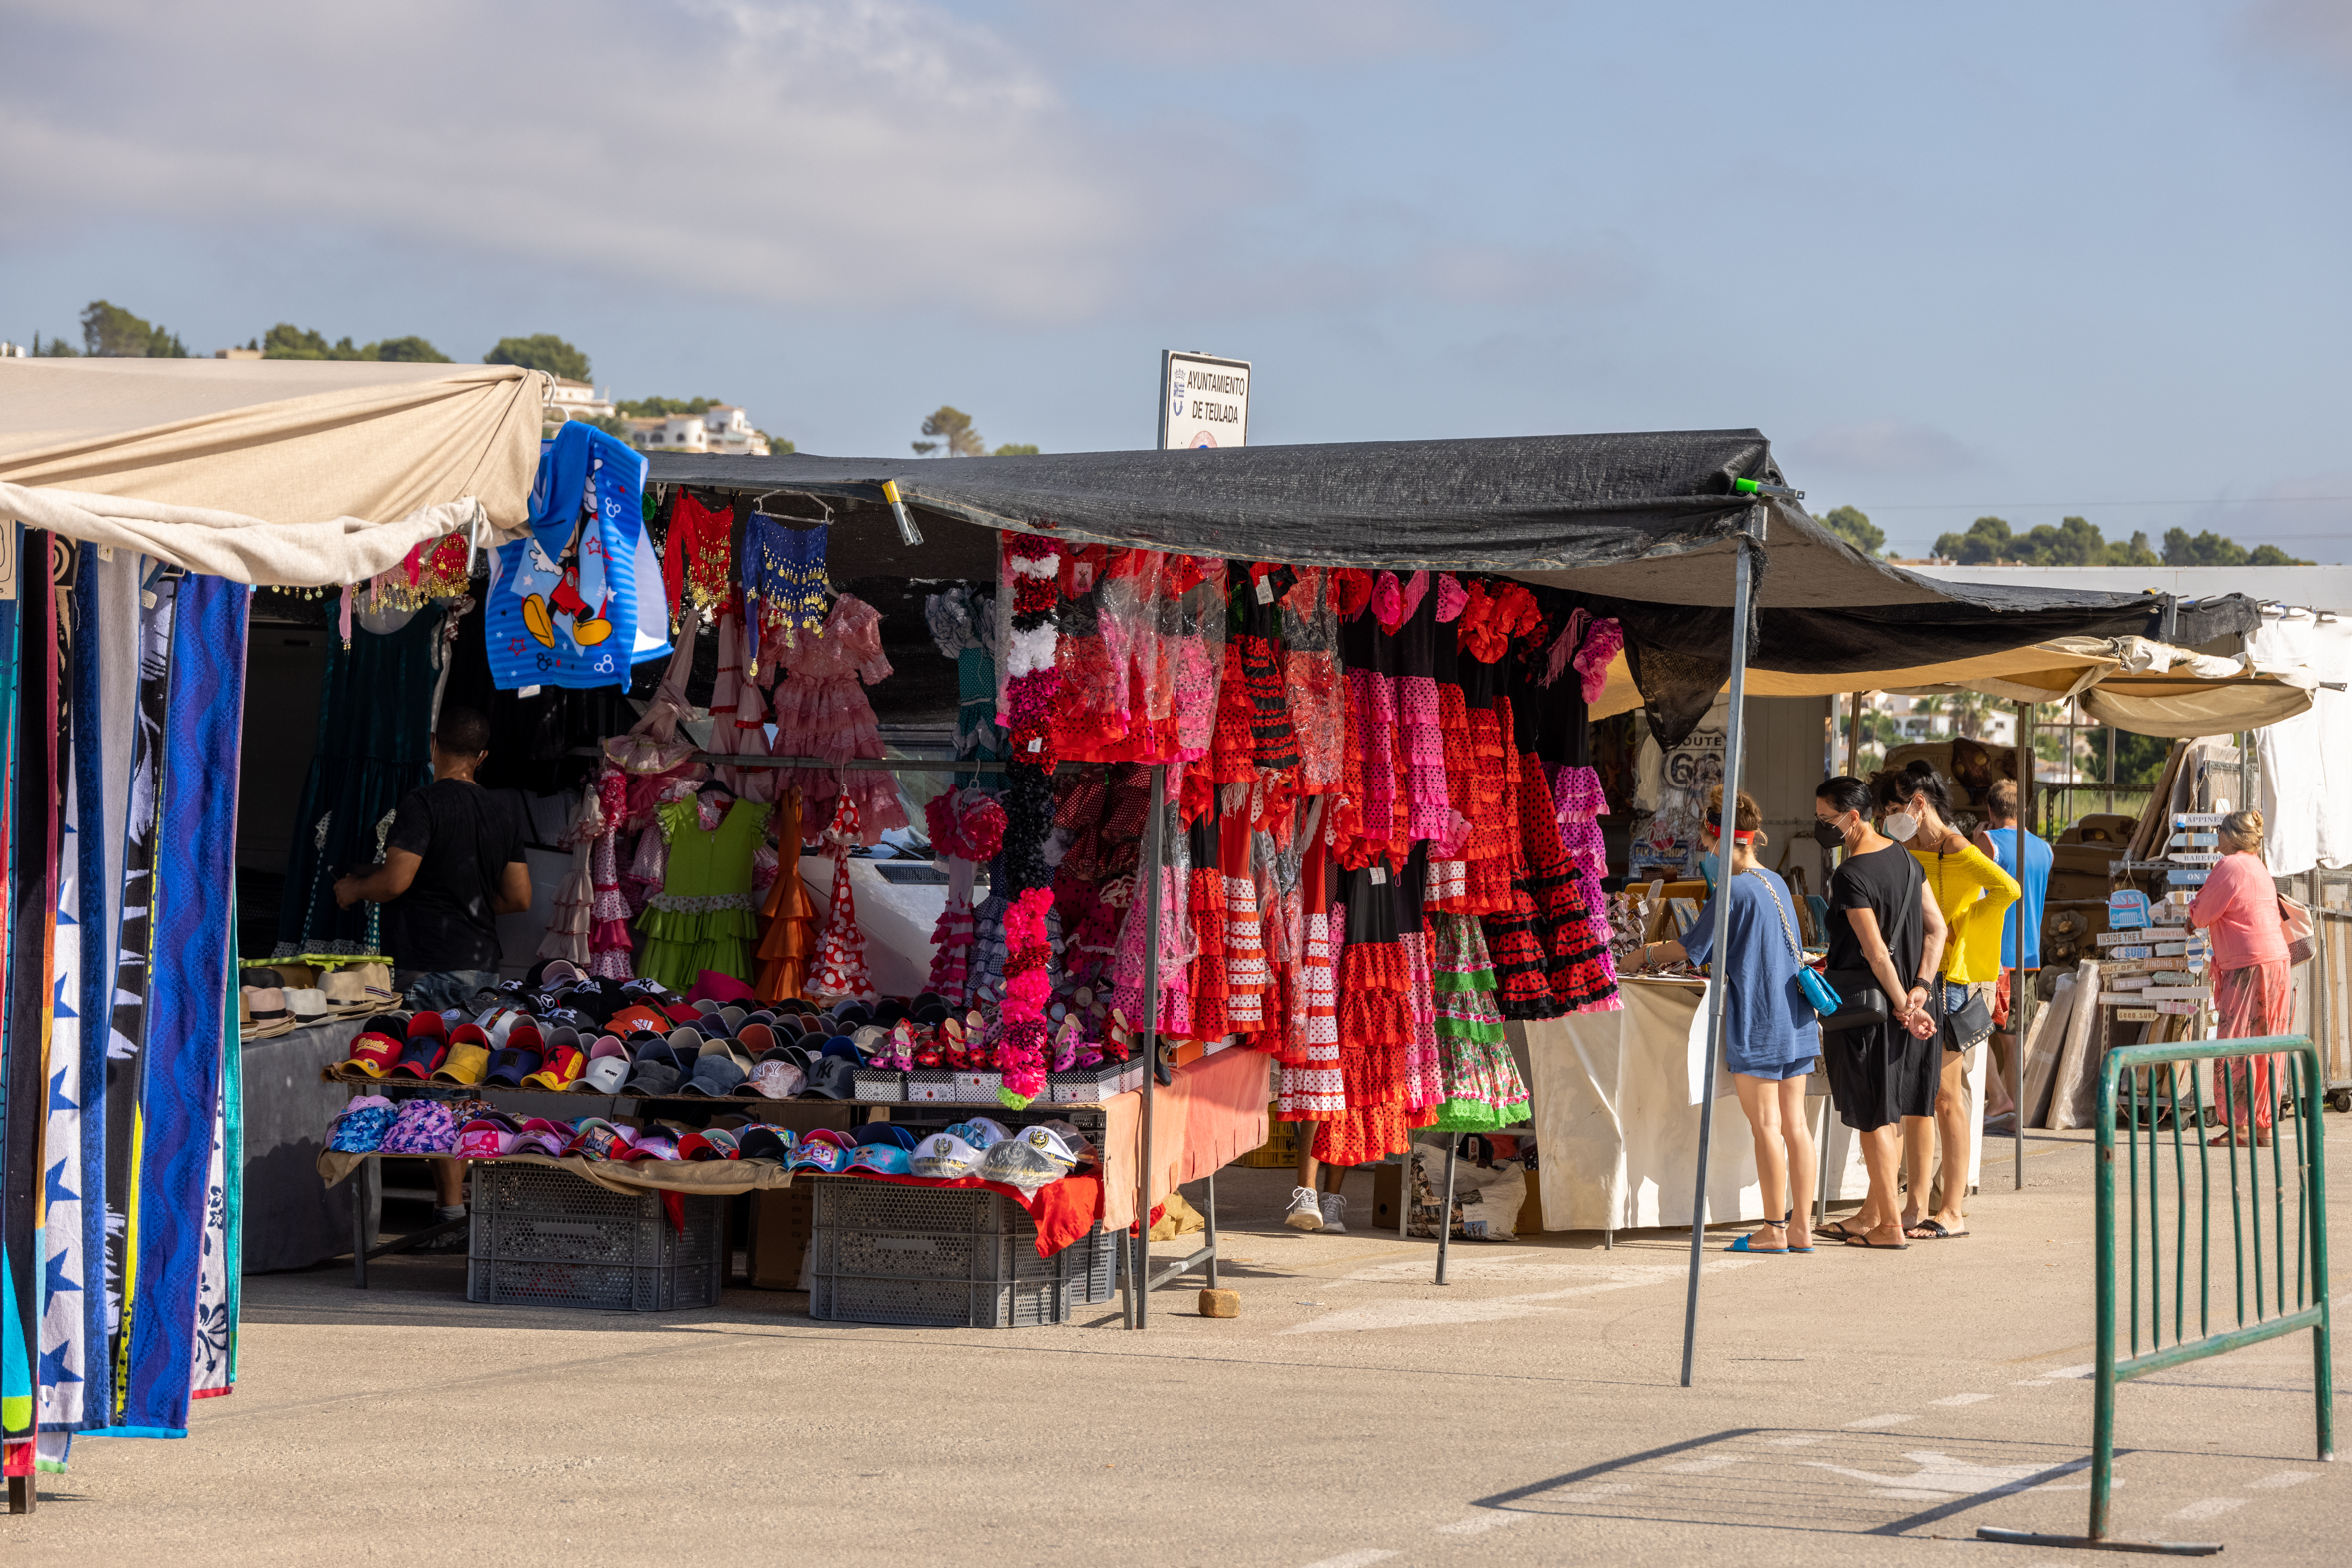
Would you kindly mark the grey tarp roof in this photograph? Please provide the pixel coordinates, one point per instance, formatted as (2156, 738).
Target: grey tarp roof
(1641, 525)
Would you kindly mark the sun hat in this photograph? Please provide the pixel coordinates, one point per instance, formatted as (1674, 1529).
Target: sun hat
(542, 1136)
(652, 1144)
(422, 1126)
(270, 1014)
(825, 1151)
(357, 988)
(359, 1128)
(291, 975)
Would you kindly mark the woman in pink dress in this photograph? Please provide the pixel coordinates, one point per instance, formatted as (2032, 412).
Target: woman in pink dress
(2253, 984)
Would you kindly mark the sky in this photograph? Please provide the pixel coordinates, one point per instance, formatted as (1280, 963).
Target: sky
(2019, 259)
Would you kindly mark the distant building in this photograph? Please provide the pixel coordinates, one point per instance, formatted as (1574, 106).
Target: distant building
(579, 400)
(236, 353)
(722, 427)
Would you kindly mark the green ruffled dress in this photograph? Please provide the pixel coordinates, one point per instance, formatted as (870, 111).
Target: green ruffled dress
(705, 917)
(1484, 1090)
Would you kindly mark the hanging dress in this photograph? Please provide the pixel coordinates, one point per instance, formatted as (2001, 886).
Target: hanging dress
(821, 710)
(787, 918)
(703, 917)
(1484, 1090)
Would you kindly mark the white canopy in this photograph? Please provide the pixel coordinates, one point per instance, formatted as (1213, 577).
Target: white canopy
(294, 472)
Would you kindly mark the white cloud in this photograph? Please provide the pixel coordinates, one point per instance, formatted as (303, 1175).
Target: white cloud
(815, 152)
(1884, 447)
(1238, 32)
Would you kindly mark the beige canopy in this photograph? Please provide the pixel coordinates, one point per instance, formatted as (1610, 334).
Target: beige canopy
(294, 472)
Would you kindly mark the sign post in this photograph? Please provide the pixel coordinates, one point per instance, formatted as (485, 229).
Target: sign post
(1204, 401)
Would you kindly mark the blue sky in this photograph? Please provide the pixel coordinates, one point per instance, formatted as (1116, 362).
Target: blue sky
(1953, 258)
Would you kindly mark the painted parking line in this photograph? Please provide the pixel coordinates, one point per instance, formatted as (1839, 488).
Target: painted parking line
(1878, 1420)
(1962, 1399)
(1362, 1557)
(2285, 1478)
(1479, 1524)
(2207, 1507)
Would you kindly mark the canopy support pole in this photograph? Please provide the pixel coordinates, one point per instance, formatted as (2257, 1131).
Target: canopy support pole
(1719, 992)
(2021, 978)
(1146, 1031)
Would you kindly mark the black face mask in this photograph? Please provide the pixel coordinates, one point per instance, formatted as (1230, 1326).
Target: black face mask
(1827, 834)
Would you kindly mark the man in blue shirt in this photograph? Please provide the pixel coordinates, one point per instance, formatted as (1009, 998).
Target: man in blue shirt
(2023, 922)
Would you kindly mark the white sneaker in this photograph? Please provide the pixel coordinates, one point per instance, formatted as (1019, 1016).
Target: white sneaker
(1304, 1216)
(1334, 1214)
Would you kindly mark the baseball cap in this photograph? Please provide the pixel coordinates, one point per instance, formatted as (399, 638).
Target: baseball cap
(776, 1079)
(596, 1138)
(427, 1021)
(981, 1132)
(559, 1068)
(374, 1053)
(883, 1158)
(758, 1140)
(944, 1157)
(882, 1132)
(1028, 1161)
(825, 1151)
(710, 1144)
(510, 1064)
(652, 1077)
(465, 1064)
(421, 1056)
(637, 1017)
(482, 1139)
(606, 1069)
(834, 1078)
(652, 1144)
(756, 1039)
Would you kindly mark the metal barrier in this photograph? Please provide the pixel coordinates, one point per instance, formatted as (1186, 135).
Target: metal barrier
(2143, 1089)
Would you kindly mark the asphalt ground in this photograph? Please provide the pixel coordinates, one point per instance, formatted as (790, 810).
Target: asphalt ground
(1850, 1406)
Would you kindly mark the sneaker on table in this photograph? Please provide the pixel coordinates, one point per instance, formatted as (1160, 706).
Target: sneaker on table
(1304, 1214)
(1334, 1214)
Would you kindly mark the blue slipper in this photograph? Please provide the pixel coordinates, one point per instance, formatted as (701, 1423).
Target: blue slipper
(1742, 1245)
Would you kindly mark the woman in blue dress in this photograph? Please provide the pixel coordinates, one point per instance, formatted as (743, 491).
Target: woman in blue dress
(1770, 1036)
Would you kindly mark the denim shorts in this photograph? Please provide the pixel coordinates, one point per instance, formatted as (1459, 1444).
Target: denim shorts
(1780, 1072)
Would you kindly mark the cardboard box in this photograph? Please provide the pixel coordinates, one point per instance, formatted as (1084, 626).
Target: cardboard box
(783, 1221)
(1389, 1196)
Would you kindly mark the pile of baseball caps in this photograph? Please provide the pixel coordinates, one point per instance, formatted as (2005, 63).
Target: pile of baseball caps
(645, 1044)
(1027, 1159)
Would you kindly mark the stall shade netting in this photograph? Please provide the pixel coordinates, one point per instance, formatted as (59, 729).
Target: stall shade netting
(120, 1133)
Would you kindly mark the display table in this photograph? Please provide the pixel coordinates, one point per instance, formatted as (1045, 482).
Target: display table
(1617, 1100)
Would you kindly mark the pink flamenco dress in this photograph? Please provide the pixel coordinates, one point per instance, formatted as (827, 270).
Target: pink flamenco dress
(821, 710)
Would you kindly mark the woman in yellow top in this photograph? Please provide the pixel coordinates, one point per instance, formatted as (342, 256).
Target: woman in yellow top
(1975, 894)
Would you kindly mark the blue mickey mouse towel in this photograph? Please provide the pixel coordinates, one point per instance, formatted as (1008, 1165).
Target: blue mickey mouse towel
(580, 601)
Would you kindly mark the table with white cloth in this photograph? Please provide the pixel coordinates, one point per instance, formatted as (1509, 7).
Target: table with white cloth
(1618, 1100)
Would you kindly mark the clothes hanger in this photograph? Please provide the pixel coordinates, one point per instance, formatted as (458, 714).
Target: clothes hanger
(759, 505)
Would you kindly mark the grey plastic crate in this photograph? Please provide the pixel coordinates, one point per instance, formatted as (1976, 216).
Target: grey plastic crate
(543, 1237)
(939, 1257)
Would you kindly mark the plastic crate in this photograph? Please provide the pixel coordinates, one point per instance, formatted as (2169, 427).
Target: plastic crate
(942, 1257)
(543, 1237)
(1280, 1151)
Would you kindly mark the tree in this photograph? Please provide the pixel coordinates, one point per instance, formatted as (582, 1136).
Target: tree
(1987, 540)
(1853, 525)
(412, 350)
(777, 444)
(55, 348)
(2214, 549)
(111, 331)
(954, 436)
(2075, 541)
(541, 350)
(1966, 711)
(1016, 449)
(653, 407)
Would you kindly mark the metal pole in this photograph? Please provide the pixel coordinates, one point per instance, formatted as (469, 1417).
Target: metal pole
(1853, 737)
(1719, 992)
(2021, 978)
(1147, 1035)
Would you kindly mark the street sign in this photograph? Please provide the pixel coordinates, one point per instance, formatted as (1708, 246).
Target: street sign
(1204, 401)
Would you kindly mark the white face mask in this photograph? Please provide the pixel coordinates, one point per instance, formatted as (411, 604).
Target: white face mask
(1901, 826)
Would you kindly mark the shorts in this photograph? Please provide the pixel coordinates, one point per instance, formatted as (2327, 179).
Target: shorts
(2001, 1000)
(1780, 1072)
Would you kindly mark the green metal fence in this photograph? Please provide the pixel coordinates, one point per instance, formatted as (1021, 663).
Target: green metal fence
(2159, 1244)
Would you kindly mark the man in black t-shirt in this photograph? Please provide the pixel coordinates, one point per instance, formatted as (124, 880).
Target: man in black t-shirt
(452, 864)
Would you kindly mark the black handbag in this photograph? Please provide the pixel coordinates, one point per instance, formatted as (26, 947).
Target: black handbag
(1863, 1005)
(1969, 1025)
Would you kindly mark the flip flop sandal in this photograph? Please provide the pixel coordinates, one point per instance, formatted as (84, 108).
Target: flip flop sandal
(1742, 1245)
(1926, 1230)
(1835, 1230)
(1877, 1246)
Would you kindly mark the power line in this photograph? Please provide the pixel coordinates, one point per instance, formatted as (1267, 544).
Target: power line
(2218, 500)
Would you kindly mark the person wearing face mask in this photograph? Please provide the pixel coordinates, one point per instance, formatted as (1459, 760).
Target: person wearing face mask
(1770, 1036)
(1885, 933)
(1974, 896)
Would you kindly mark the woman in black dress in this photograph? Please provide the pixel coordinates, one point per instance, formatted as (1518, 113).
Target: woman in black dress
(1882, 924)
